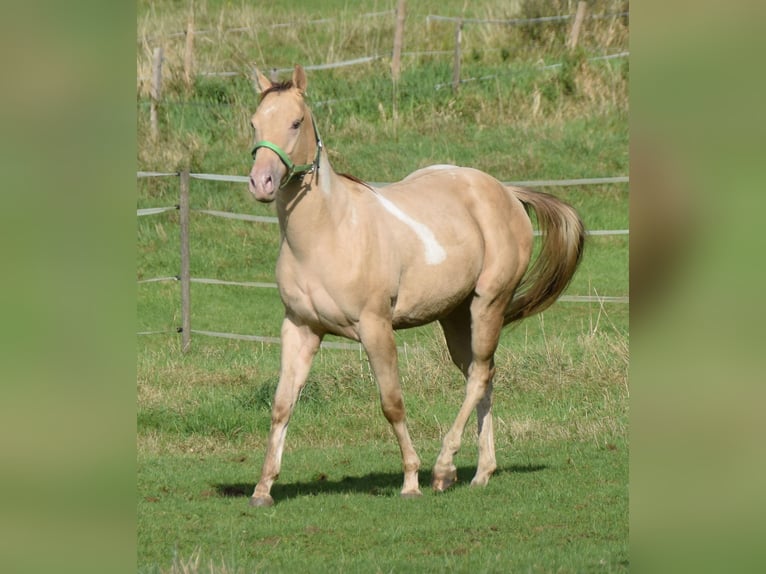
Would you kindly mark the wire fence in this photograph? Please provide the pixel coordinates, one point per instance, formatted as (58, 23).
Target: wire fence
(185, 278)
(521, 21)
(254, 28)
(189, 72)
(429, 19)
(274, 220)
(375, 57)
(527, 183)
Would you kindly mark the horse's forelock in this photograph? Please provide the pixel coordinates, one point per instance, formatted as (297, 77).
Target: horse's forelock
(277, 87)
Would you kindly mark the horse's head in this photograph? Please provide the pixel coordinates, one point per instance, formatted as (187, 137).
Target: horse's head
(287, 144)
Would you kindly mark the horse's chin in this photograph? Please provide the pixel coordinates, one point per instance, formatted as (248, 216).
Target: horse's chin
(265, 197)
(262, 194)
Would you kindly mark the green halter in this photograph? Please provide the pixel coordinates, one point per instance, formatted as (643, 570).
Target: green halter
(292, 169)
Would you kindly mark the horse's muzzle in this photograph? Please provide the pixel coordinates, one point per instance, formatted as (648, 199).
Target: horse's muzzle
(262, 186)
(262, 191)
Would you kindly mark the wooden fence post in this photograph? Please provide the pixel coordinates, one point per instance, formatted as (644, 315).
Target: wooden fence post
(189, 54)
(185, 277)
(574, 34)
(396, 59)
(155, 92)
(456, 65)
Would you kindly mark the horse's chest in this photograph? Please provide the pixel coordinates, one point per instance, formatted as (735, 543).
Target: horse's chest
(310, 295)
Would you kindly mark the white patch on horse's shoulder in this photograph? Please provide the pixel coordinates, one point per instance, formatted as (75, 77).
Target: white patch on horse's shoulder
(434, 252)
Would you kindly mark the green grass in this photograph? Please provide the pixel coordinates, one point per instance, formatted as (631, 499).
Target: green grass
(559, 500)
(557, 503)
(560, 509)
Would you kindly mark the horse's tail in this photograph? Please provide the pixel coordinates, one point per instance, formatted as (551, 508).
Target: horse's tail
(563, 236)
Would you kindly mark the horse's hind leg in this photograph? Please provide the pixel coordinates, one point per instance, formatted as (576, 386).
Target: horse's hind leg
(487, 462)
(472, 339)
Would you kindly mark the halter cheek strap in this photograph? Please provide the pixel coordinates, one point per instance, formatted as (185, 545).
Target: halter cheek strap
(292, 169)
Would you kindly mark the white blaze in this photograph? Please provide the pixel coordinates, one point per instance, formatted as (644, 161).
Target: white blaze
(269, 110)
(434, 252)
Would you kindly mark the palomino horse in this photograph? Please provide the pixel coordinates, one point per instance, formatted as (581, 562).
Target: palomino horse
(448, 244)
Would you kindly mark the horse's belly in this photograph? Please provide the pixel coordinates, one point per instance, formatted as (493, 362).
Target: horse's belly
(427, 298)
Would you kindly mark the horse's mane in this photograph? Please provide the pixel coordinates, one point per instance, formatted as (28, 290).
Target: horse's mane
(357, 180)
(278, 87)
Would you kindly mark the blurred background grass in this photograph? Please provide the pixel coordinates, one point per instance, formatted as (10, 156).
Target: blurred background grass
(696, 291)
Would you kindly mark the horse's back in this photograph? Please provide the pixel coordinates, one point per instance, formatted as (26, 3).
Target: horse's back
(451, 190)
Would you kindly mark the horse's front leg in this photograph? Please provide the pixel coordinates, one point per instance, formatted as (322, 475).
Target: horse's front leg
(377, 336)
(299, 345)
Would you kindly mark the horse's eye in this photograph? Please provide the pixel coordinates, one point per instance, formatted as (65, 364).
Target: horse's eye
(297, 124)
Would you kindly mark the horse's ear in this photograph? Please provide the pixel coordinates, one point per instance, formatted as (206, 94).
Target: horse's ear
(262, 83)
(299, 78)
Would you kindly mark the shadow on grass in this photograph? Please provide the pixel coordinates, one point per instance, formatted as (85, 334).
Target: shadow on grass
(374, 484)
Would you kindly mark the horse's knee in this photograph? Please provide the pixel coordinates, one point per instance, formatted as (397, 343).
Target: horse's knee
(481, 369)
(281, 412)
(393, 409)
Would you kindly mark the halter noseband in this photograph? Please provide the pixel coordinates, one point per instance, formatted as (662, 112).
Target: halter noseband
(292, 169)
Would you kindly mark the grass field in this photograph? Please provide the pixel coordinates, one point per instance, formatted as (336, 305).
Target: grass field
(559, 500)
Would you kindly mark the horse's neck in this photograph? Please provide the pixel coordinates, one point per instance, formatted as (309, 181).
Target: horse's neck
(309, 211)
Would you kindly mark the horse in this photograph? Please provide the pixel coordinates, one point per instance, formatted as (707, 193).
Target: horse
(446, 243)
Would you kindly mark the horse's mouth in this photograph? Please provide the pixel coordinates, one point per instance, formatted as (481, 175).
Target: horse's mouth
(262, 193)
(263, 198)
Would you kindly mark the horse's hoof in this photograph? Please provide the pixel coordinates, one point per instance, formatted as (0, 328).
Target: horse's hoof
(442, 484)
(412, 494)
(480, 481)
(261, 500)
